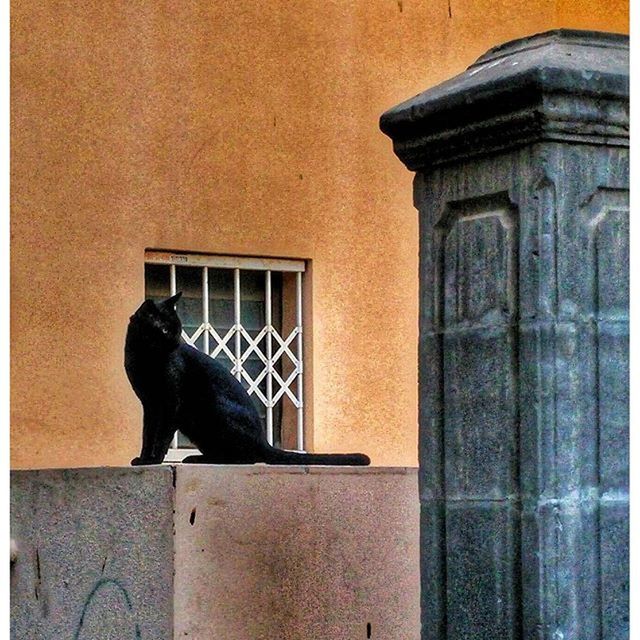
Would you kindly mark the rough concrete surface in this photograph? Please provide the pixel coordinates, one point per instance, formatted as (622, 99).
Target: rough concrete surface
(258, 553)
(94, 558)
(290, 553)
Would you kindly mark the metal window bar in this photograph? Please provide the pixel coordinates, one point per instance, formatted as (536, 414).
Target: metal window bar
(205, 308)
(276, 346)
(172, 292)
(237, 369)
(300, 425)
(269, 323)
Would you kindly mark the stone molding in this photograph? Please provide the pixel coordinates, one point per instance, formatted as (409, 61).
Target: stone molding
(548, 87)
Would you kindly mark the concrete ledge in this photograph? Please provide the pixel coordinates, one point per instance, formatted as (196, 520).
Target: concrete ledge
(215, 552)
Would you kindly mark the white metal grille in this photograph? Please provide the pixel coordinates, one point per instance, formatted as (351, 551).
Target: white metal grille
(265, 346)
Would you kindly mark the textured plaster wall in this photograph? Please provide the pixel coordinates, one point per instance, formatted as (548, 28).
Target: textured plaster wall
(241, 128)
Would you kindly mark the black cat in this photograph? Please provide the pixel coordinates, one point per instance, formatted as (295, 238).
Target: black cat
(184, 389)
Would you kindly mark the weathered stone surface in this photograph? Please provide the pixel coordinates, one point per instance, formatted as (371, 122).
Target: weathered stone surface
(482, 580)
(215, 552)
(522, 192)
(94, 554)
(614, 563)
(296, 553)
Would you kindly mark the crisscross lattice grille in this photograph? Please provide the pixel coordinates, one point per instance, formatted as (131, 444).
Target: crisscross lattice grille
(246, 313)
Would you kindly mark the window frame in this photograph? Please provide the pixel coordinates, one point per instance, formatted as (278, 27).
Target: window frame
(231, 343)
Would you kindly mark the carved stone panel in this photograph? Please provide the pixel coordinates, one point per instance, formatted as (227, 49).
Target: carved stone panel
(478, 270)
(610, 255)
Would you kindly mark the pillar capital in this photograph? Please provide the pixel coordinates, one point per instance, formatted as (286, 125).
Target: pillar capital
(562, 85)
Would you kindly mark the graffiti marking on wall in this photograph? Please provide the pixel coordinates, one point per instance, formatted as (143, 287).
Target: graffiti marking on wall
(99, 587)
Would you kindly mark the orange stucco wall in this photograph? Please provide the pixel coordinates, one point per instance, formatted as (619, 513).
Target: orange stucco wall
(244, 128)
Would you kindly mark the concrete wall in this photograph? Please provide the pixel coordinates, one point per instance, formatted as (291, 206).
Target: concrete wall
(259, 553)
(243, 128)
(94, 554)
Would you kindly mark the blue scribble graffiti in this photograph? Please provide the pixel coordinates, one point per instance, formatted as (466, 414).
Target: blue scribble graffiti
(104, 582)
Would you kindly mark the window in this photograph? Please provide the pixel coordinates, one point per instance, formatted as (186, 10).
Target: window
(247, 314)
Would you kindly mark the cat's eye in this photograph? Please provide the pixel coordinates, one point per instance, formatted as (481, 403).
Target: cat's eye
(165, 330)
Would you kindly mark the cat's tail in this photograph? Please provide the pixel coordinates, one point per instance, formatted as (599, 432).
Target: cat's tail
(282, 456)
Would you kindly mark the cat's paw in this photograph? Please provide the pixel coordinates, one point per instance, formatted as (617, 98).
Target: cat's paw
(137, 462)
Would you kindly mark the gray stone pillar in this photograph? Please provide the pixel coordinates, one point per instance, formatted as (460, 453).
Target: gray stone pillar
(522, 190)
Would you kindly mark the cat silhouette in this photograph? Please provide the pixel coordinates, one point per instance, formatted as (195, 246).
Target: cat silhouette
(183, 389)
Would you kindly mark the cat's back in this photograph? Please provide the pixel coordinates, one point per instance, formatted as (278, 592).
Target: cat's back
(208, 375)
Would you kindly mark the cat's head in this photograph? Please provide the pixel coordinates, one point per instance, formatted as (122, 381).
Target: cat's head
(158, 323)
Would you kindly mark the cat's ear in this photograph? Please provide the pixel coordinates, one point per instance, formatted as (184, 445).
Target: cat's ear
(170, 303)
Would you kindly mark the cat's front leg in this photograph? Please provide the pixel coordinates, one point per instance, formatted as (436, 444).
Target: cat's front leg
(157, 433)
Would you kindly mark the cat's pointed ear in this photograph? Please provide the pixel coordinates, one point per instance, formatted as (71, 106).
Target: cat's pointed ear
(147, 305)
(170, 303)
